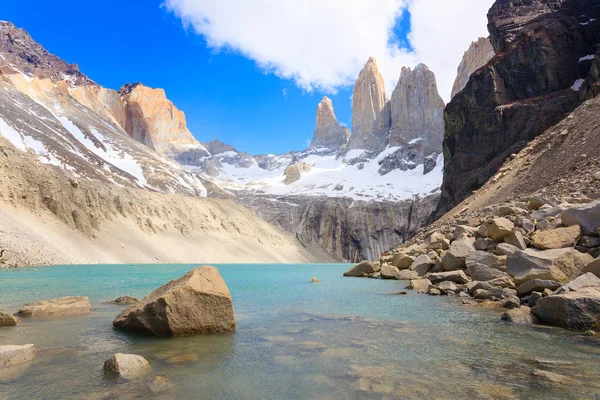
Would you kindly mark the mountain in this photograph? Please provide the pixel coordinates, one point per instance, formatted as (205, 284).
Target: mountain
(544, 51)
(85, 177)
(476, 56)
(328, 134)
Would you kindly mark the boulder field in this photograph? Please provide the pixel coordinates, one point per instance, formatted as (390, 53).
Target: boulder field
(537, 257)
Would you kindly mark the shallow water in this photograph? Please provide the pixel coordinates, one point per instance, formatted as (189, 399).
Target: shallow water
(344, 338)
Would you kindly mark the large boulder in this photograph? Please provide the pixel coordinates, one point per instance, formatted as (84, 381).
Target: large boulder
(402, 261)
(453, 276)
(516, 239)
(537, 285)
(496, 228)
(521, 316)
(587, 216)
(407, 275)
(126, 365)
(7, 320)
(583, 281)
(422, 265)
(456, 255)
(63, 306)
(579, 310)
(560, 265)
(11, 356)
(420, 285)
(363, 269)
(556, 238)
(483, 266)
(198, 302)
(389, 272)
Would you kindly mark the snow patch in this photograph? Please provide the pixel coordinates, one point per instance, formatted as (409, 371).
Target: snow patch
(588, 57)
(577, 85)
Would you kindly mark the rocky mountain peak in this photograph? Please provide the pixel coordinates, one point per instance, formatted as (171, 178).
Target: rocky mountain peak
(479, 54)
(417, 110)
(20, 53)
(328, 133)
(370, 111)
(128, 87)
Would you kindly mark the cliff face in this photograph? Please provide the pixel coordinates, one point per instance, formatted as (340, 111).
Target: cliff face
(478, 55)
(328, 133)
(370, 110)
(417, 111)
(530, 85)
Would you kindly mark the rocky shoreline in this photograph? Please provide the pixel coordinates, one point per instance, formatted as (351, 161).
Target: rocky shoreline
(535, 257)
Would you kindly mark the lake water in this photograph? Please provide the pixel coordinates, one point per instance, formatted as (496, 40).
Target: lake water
(345, 338)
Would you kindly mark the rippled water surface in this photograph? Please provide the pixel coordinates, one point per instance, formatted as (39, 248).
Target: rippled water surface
(344, 338)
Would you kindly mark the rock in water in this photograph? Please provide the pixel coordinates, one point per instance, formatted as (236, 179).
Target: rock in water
(363, 269)
(63, 306)
(11, 356)
(579, 310)
(124, 300)
(7, 320)
(520, 316)
(198, 302)
(126, 365)
(315, 280)
(328, 133)
(478, 54)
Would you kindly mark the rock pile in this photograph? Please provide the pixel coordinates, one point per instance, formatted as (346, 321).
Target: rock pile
(537, 257)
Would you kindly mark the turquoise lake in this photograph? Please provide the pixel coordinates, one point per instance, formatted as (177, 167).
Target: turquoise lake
(344, 338)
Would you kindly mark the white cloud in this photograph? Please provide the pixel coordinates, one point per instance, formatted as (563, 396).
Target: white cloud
(323, 44)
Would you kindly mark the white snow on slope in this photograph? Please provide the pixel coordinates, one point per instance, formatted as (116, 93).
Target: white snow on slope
(25, 143)
(333, 177)
(577, 85)
(588, 57)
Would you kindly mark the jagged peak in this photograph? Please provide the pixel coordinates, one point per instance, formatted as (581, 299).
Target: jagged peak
(128, 87)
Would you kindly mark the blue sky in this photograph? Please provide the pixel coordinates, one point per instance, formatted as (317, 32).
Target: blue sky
(223, 93)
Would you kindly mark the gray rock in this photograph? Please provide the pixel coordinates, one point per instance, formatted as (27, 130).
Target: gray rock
(593, 267)
(124, 300)
(511, 302)
(389, 272)
(537, 285)
(505, 249)
(71, 305)
(421, 265)
(484, 266)
(484, 294)
(481, 244)
(407, 275)
(453, 276)
(587, 216)
(533, 298)
(402, 261)
(542, 224)
(126, 366)
(521, 316)
(363, 269)
(516, 239)
(547, 213)
(536, 202)
(589, 242)
(503, 282)
(447, 286)
(560, 265)
(462, 231)
(437, 240)
(434, 292)
(7, 320)
(11, 355)
(496, 228)
(583, 281)
(579, 310)
(456, 255)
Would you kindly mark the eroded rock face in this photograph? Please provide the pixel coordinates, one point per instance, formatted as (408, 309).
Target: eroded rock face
(154, 121)
(198, 302)
(478, 55)
(522, 91)
(328, 133)
(417, 111)
(63, 306)
(370, 111)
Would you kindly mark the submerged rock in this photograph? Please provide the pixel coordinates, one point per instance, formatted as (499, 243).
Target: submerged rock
(11, 355)
(123, 300)
(198, 302)
(126, 365)
(420, 285)
(7, 320)
(520, 316)
(315, 280)
(63, 306)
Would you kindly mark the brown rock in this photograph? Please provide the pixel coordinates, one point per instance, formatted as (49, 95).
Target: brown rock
(421, 265)
(593, 267)
(71, 305)
(560, 265)
(420, 285)
(198, 302)
(521, 316)
(402, 261)
(579, 310)
(363, 269)
(516, 239)
(496, 229)
(11, 356)
(556, 238)
(126, 365)
(7, 320)
(452, 276)
(294, 172)
(328, 133)
(456, 255)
